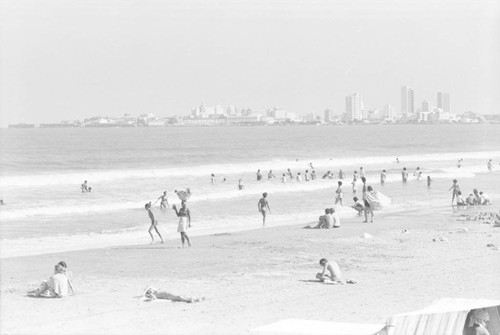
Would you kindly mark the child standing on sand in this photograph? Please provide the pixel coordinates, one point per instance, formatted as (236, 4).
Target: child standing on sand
(154, 223)
(455, 188)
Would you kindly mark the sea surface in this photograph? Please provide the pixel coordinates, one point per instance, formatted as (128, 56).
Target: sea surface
(42, 170)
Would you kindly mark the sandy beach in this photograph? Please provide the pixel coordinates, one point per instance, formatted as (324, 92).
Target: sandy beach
(254, 278)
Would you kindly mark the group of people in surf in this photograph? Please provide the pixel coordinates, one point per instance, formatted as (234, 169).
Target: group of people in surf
(476, 198)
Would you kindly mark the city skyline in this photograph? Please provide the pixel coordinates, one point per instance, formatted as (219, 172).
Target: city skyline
(164, 57)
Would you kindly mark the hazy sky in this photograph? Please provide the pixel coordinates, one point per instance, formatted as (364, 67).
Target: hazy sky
(71, 59)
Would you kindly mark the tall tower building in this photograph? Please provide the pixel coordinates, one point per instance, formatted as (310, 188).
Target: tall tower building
(407, 101)
(443, 101)
(354, 107)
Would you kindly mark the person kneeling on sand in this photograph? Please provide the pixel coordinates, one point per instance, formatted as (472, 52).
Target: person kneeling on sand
(151, 294)
(335, 275)
(56, 287)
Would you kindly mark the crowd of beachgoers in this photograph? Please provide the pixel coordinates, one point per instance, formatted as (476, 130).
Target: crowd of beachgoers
(364, 203)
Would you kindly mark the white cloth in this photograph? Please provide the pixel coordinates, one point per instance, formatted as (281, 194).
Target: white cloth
(58, 284)
(183, 224)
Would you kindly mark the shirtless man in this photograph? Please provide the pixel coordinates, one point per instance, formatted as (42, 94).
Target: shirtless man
(154, 223)
(263, 207)
(333, 268)
(164, 201)
(456, 188)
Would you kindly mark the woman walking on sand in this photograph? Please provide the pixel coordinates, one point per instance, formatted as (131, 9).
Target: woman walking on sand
(184, 216)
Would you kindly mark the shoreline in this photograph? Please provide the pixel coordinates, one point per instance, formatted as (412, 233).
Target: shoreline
(241, 273)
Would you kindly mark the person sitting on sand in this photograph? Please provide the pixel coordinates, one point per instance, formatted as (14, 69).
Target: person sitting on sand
(335, 275)
(471, 200)
(460, 200)
(336, 219)
(324, 221)
(485, 200)
(151, 294)
(55, 287)
(358, 206)
(69, 275)
(477, 197)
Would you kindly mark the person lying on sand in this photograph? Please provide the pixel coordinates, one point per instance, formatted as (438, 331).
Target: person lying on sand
(151, 294)
(55, 287)
(335, 275)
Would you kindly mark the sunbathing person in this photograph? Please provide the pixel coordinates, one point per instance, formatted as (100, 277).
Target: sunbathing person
(55, 287)
(151, 294)
(335, 275)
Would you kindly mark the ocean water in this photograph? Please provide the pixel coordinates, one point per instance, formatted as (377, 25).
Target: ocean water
(42, 170)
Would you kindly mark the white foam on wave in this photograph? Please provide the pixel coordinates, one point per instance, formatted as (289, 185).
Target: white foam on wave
(220, 192)
(96, 177)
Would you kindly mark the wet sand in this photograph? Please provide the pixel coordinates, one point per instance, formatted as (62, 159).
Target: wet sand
(254, 278)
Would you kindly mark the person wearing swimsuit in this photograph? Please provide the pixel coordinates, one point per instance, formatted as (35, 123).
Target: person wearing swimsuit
(184, 216)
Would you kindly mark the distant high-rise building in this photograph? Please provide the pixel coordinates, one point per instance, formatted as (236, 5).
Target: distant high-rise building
(426, 106)
(443, 101)
(407, 101)
(328, 115)
(354, 107)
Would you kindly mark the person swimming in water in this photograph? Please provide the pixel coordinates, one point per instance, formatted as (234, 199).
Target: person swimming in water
(164, 201)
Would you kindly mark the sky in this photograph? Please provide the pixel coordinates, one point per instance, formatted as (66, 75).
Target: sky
(73, 59)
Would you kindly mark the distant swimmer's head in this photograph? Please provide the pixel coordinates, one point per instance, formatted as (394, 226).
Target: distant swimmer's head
(340, 183)
(264, 194)
(323, 261)
(369, 188)
(363, 179)
(355, 199)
